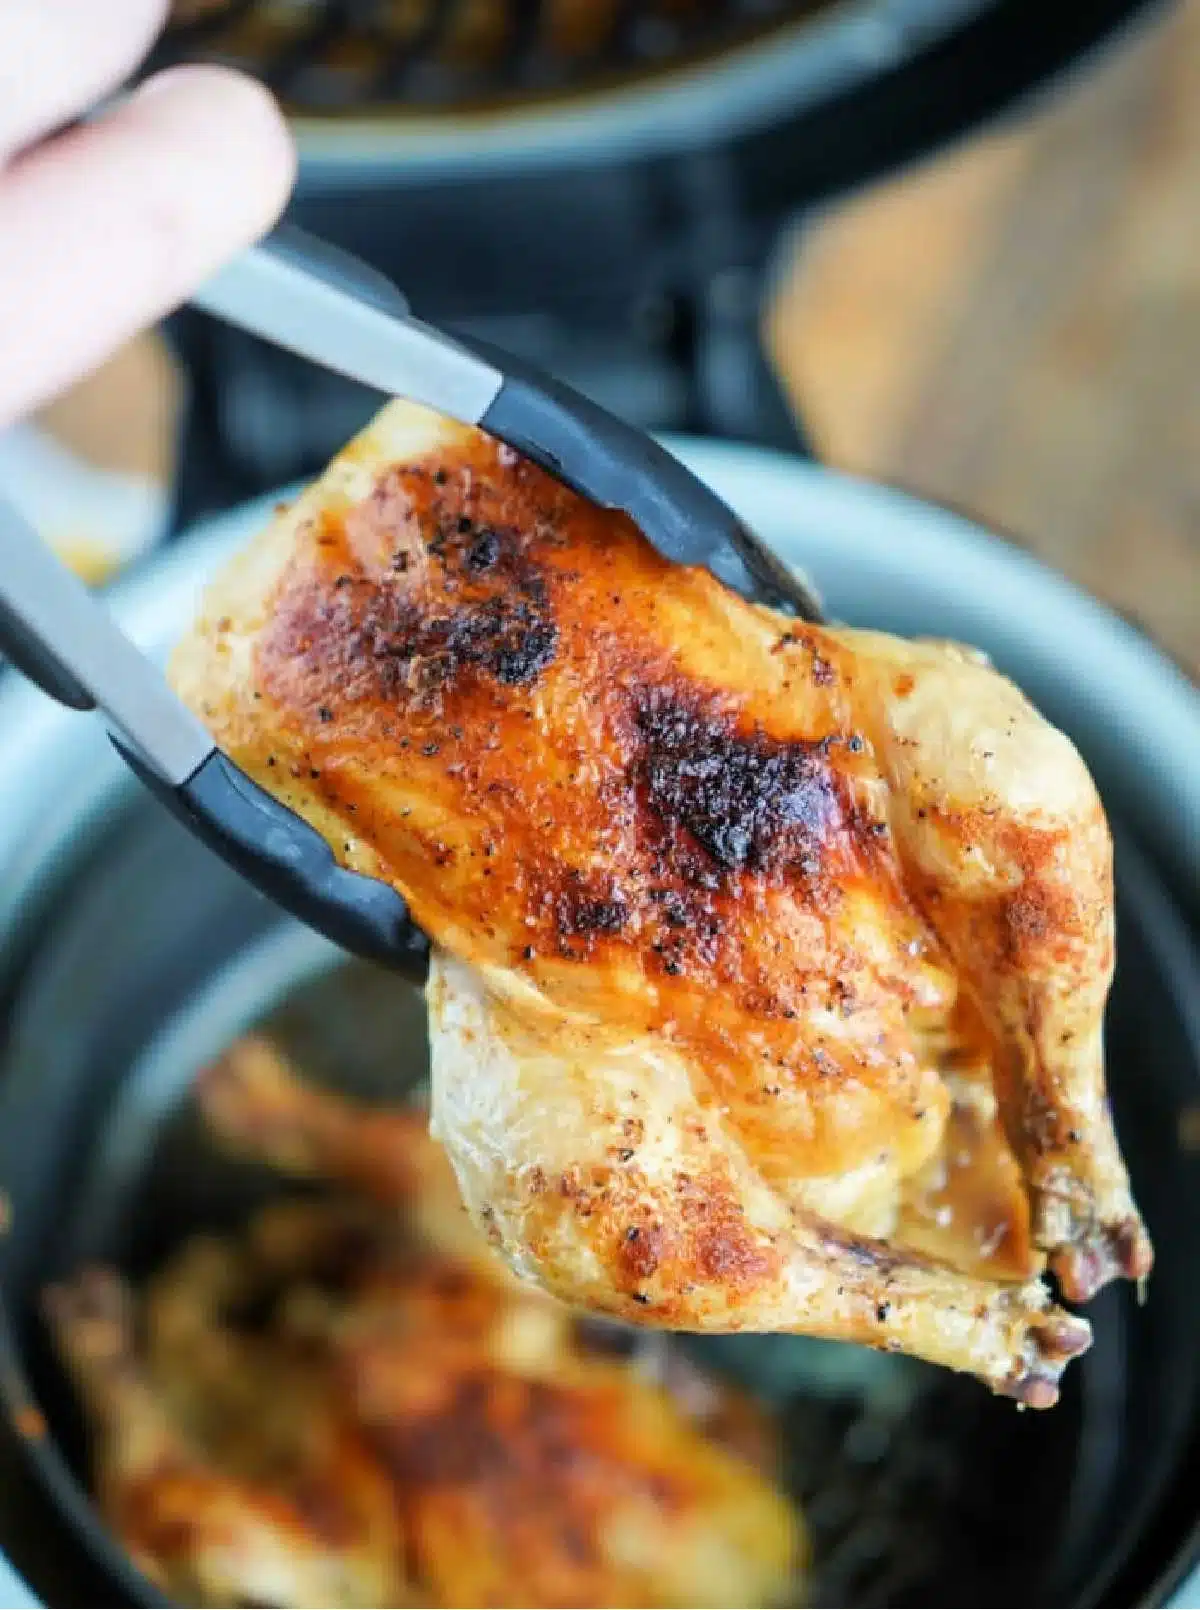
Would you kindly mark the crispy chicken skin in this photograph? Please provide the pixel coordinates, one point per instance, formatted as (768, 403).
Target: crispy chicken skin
(401, 1422)
(759, 876)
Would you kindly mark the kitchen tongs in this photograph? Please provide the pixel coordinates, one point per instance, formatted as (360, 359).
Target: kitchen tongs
(301, 294)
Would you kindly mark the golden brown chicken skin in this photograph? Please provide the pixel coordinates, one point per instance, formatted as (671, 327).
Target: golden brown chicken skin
(642, 814)
(499, 713)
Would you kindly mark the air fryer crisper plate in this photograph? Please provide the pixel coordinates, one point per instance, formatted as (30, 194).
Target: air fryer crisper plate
(129, 957)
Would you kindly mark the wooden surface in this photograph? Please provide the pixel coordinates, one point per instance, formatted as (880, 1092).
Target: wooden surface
(1014, 330)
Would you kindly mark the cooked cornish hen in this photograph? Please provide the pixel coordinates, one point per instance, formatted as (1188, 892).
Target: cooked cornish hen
(752, 940)
(354, 1402)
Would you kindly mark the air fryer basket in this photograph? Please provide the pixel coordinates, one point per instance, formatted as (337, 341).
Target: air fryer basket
(920, 1487)
(128, 957)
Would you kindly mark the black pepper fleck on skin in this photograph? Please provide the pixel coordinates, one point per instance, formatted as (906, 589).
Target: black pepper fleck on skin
(672, 906)
(325, 713)
(578, 912)
(508, 635)
(483, 553)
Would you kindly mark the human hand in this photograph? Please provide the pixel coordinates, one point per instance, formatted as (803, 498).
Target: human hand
(106, 227)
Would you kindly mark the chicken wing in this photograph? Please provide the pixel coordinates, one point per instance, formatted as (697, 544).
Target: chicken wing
(257, 1105)
(755, 874)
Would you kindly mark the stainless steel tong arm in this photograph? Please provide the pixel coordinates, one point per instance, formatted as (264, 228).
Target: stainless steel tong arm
(65, 640)
(302, 294)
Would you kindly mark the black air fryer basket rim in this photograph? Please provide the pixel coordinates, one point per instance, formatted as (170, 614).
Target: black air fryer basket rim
(941, 66)
(796, 57)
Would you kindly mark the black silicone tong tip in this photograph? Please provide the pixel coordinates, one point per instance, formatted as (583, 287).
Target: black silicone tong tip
(291, 864)
(619, 467)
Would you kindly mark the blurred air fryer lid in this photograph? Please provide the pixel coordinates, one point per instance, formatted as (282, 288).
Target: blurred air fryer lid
(916, 71)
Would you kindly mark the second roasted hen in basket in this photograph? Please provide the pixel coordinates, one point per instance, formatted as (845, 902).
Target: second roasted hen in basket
(353, 1402)
(770, 961)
